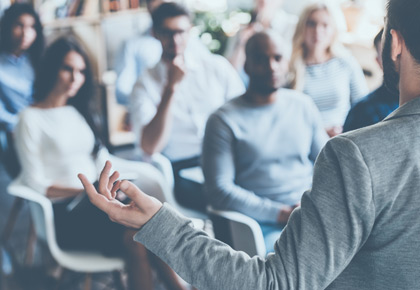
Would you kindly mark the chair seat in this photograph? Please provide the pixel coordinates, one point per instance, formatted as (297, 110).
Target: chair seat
(88, 262)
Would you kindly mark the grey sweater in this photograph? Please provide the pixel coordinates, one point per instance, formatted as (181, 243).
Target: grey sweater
(259, 158)
(358, 228)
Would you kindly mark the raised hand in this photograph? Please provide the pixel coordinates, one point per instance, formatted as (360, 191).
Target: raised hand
(134, 215)
(176, 70)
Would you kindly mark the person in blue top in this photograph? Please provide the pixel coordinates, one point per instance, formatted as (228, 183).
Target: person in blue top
(21, 46)
(377, 105)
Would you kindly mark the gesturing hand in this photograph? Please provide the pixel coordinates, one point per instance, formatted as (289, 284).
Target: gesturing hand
(134, 215)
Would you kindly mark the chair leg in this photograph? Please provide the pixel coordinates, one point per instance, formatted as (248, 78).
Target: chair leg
(118, 281)
(60, 278)
(88, 281)
(16, 207)
(30, 246)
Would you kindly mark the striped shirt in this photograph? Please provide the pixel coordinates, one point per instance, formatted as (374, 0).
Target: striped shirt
(335, 86)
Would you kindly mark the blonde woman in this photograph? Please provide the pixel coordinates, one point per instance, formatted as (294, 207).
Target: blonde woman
(323, 69)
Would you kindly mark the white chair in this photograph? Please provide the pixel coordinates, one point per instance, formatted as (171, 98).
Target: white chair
(79, 261)
(239, 231)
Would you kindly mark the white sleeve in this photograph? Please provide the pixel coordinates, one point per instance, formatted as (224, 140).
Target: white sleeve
(142, 109)
(230, 77)
(28, 143)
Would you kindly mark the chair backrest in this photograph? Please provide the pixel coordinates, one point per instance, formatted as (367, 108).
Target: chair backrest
(41, 212)
(43, 219)
(239, 231)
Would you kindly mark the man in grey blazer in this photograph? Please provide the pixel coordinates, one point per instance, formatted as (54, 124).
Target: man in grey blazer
(359, 226)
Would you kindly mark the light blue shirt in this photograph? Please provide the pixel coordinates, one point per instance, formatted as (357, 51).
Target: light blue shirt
(137, 55)
(16, 87)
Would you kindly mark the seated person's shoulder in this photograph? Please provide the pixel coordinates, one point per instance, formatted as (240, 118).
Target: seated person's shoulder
(297, 97)
(348, 61)
(215, 61)
(231, 109)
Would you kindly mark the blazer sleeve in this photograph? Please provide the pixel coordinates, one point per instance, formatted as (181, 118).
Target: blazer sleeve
(320, 240)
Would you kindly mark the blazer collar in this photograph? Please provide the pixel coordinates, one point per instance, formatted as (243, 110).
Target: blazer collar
(410, 108)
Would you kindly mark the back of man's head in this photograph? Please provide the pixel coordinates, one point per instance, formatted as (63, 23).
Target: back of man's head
(403, 16)
(165, 11)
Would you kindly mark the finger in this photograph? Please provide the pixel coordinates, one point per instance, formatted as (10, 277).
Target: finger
(112, 179)
(104, 180)
(96, 198)
(133, 192)
(115, 188)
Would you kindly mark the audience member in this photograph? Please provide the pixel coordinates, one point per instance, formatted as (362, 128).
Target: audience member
(321, 68)
(375, 106)
(259, 148)
(141, 53)
(55, 139)
(171, 102)
(267, 14)
(357, 228)
(21, 46)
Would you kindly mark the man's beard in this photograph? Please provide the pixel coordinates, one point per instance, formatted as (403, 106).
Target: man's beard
(259, 84)
(391, 76)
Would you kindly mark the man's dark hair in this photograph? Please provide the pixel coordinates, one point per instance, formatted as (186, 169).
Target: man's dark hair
(378, 39)
(6, 24)
(47, 77)
(165, 11)
(403, 16)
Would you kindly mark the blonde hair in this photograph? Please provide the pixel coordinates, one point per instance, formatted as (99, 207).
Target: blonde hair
(297, 59)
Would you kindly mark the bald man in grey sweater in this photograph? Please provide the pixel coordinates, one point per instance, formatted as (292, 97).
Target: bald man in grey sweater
(259, 148)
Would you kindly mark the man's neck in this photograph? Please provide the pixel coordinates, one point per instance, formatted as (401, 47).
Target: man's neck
(317, 56)
(409, 80)
(258, 98)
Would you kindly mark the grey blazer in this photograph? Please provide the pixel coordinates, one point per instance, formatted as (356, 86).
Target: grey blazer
(357, 228)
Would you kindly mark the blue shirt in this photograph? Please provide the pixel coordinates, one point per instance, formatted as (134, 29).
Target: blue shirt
(16, 87)
(371, 109)
(137, 55)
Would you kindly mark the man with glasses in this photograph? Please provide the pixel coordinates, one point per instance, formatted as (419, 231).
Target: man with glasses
(171, 102)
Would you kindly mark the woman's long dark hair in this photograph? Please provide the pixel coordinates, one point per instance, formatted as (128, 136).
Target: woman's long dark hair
(47, 78)
(6, 24)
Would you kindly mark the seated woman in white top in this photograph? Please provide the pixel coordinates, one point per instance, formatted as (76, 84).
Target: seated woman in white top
(55, 140)
(323, 69)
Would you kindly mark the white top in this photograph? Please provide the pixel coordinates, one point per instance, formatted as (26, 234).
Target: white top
(53, 146)
(141, 53)
(335, 86)
(209, 82)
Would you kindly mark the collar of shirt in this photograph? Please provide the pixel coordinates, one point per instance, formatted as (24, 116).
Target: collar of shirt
(13, 59)
(191, 65)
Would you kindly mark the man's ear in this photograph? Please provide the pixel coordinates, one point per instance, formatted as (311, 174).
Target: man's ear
(396, 44)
